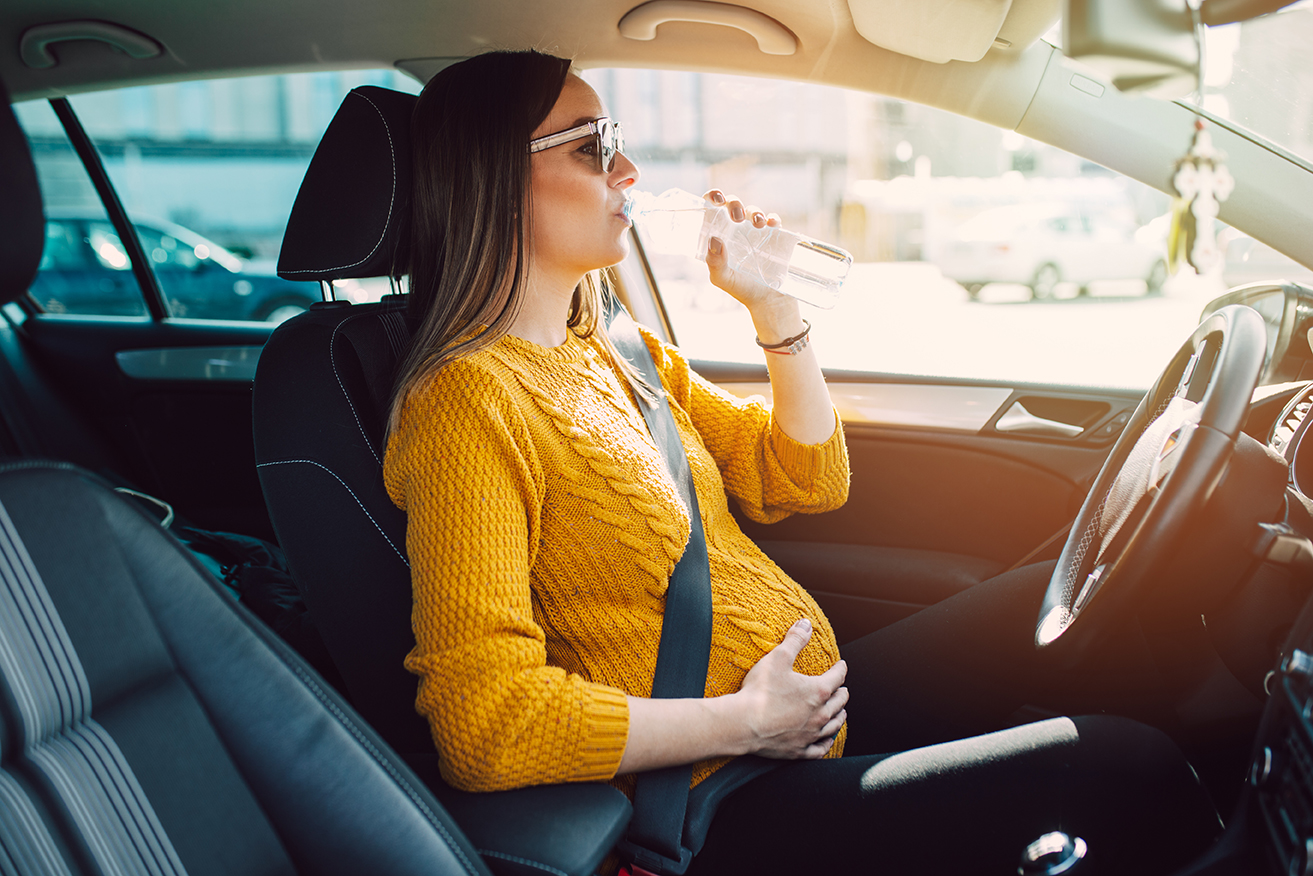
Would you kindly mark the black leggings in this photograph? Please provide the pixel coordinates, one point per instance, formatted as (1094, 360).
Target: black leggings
(951, 672)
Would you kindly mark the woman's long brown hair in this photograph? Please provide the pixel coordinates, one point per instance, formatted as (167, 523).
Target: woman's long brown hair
(470, 212)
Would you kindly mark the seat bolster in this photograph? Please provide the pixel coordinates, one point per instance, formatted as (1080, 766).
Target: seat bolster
(318, 454)
(562, 829)
(339, 799)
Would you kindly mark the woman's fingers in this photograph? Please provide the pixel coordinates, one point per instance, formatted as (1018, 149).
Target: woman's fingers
(795, 639)
(835, 675)
(818, 749)
(832, 726)
(831, 716)
(739, 213)
(837, 701)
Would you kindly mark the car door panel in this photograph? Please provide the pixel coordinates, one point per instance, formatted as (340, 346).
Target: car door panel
(181, 429)
(932, 511)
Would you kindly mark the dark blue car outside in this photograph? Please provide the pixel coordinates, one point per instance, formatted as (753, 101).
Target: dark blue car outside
(85, 270)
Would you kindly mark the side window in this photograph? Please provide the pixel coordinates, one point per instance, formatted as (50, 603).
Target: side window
(84, 268)
(65, 249)
(207, 172)
(977, 252)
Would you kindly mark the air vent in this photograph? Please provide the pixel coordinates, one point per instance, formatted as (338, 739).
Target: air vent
(1290, 421)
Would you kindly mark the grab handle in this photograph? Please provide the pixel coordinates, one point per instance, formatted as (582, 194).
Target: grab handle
(34, 46)
(773, 38)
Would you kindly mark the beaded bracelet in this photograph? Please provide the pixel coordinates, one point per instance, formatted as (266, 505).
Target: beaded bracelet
(790, 346)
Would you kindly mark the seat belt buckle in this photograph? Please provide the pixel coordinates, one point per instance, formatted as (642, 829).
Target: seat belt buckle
(634, 870)
(645, 862)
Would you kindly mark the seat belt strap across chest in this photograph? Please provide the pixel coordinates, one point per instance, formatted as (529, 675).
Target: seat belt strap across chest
(654, 841)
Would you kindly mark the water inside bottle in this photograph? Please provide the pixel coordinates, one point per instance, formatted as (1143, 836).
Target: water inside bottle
(816, 273)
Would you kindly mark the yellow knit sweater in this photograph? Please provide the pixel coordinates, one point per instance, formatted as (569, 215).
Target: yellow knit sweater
(542, 530)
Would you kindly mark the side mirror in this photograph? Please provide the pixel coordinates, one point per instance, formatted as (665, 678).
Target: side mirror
(1287, 309)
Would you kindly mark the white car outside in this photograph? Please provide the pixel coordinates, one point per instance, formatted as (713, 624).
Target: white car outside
(1042, 245)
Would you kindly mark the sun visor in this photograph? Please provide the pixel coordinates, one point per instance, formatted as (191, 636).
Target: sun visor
(932, 30)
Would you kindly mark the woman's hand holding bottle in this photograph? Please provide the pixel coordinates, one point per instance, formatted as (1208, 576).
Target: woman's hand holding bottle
(745, 287)
(752, 244)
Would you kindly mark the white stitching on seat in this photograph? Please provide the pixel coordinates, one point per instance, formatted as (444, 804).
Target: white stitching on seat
(392, 150)
(349, 490)
(537, 865)
(352, 405)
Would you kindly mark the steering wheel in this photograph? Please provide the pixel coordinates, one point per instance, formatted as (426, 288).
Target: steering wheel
(1172, 453)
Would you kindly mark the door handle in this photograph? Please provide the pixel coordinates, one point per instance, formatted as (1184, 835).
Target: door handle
(1018, 419)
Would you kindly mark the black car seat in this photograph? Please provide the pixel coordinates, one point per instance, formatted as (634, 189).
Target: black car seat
(320, 403)
(147, 723)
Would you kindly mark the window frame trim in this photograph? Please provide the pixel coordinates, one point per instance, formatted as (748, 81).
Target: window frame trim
(109, 198)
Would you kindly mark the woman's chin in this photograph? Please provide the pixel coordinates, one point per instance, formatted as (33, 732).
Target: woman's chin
(621, 252)
(624, 246)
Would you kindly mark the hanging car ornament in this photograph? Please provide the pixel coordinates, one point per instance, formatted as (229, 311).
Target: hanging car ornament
(1201, 183)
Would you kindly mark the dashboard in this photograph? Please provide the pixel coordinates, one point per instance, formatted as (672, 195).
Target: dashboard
(1287, 311)
(1290, 436)
(1280, 778)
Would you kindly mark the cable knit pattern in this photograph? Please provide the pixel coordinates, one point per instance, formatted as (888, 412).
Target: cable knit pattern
(542, 530)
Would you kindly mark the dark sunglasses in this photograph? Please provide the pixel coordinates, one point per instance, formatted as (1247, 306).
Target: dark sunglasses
(607, 133)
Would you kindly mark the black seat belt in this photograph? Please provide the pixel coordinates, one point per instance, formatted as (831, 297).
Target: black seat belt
(670, 822)
(654, 841)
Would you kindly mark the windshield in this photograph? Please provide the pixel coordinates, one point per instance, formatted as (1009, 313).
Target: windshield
(1258, 77)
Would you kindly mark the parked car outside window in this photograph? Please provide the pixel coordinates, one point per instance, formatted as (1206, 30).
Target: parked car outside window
(1043, 245)
(208, 170)
(85, 268)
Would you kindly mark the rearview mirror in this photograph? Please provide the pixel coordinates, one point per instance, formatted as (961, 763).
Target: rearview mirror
(1149, 46)
(1141, 45)
(1287, 309)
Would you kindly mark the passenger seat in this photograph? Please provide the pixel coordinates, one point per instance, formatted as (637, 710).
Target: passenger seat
(149, 725)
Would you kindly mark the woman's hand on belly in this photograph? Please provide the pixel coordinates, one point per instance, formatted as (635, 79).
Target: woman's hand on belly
(790, 715)
(776, 713)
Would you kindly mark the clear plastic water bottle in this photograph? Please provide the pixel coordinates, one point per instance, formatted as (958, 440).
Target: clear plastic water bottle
(677, 222)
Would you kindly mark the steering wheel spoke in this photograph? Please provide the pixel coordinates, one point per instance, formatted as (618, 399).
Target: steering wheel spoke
(1161, 471)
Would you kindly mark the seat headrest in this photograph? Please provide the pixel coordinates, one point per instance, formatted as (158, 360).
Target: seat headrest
(352, 215)
(22, 222)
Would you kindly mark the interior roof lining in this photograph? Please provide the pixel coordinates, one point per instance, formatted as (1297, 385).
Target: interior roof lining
(996, 90)
(830, 50)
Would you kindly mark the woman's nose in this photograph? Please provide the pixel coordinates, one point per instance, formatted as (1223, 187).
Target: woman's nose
(624, 173)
